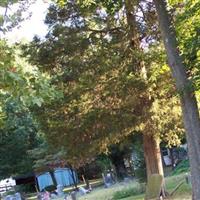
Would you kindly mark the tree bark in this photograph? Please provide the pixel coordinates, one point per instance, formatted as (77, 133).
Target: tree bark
(120, 168)
(152, 155)
(151, 146)
(187, 95)
(85, 173)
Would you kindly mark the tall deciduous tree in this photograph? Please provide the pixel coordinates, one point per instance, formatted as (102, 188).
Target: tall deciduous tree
(18, 135)
(12, 13)
(22, 88)
(187, 94)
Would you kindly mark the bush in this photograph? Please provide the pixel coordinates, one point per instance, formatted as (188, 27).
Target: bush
(10, 192)
(128, 192)
(26, 188)
(183, 166)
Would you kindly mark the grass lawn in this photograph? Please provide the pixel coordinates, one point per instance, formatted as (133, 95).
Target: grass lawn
(137, 197)
(101, 193)
(182, 193)
(107, 193)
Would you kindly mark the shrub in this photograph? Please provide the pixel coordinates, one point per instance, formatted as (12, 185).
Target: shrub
(127, 192)
(183, 166)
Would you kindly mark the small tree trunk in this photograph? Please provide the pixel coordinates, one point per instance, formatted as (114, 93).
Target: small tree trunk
(152, 155)
(86, 176)
(120, 168)
(187, 96)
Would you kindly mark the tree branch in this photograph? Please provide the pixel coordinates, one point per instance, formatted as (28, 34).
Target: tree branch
(104, 30)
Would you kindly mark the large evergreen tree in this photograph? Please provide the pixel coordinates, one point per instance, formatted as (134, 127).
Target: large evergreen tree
(111, 86)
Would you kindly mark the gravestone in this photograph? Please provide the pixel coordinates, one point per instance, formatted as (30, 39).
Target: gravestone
(108, 179)
(154, 187)
(83, 191)
(188, 179)
(46, 196)
(67, 197)
(73, 196)
(9, 197)
(60, 190)
(18, 196)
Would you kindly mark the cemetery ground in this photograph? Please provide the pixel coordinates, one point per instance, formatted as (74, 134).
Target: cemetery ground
(136, 191)
(182, 193)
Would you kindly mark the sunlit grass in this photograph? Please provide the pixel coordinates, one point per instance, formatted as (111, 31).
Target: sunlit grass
(101, 193)
(182, 193)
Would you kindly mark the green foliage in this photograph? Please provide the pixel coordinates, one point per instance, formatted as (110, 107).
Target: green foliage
(22, 88)
(138, 159)
(103, 162)
(46, 157)
(11, 192)
(17, 136)
(183, 166)
(127, 192)
(12, 13)
(25, 188)
(188, 15)
(88, 55)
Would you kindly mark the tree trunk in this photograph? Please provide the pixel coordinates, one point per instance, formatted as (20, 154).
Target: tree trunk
(151, 146)
(153, 159)
(187, 95)
(152, 155)
(85, 173)
(120, 168)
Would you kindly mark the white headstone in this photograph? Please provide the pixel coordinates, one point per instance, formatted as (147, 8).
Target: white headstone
(73, 195)
(83, 191)
(60, 190)
(18, 196)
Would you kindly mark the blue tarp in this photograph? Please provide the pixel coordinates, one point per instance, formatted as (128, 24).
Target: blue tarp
(63, 176)
(44, 180)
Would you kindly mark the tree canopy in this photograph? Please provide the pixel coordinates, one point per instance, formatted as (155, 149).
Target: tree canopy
(98, 76)
(89, 56)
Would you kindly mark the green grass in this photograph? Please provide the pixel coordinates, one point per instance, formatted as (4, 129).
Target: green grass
(136, 197)
(93, 183)
(182, 167)
(101, 193)
(125, 193)
(132, 190)
(183, 193)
